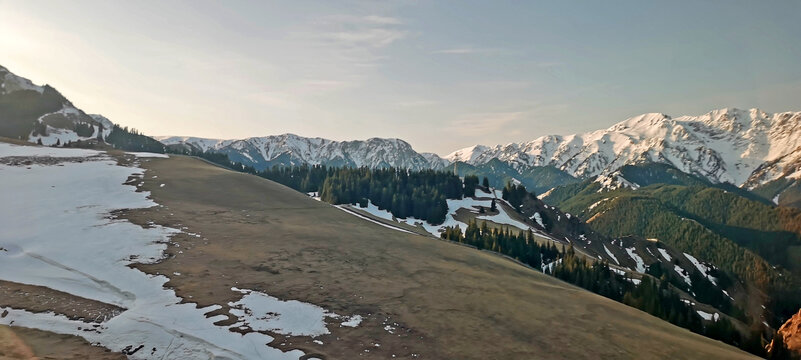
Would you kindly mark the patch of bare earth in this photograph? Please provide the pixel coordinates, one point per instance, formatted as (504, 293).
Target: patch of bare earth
(25, 343)
(38, 299)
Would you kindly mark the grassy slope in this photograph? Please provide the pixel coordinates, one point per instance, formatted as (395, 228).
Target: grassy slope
(450, 301)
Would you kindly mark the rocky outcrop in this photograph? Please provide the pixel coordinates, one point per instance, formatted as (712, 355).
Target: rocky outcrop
(787, 342)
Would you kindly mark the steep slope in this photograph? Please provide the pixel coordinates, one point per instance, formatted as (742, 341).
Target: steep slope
(748, 238)
(741, 147)
(40, 114)
(292, 150)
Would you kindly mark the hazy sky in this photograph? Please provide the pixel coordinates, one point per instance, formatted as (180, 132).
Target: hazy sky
(441, 75)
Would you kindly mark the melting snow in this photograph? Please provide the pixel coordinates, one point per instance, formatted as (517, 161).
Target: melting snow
(46, 208)
(683, 274)
(503, 218)
(708, 316)
(538, 218)
(346, 209)
(640, 263)
(610, 254)
(704, 269)
(665, 254)
(262, 312)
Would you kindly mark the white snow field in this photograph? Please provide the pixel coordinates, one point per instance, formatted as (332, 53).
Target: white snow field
(57, 233)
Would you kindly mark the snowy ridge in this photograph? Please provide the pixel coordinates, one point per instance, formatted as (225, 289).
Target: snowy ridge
(293, 150)
(11, 83)
(726, 145)
(742, 147)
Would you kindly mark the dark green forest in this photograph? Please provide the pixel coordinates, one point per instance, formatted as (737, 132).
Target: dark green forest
(127, 139)
(743, 237)
(418, 194)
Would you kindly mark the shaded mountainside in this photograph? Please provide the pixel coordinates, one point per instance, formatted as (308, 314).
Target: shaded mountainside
(748, 238)
(537, 179)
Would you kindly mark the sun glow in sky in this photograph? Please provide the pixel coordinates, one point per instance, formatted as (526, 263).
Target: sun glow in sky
(439, 74)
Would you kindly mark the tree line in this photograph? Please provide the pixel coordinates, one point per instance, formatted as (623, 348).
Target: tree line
(419, 194)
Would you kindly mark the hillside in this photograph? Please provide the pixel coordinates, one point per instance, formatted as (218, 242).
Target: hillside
(375, 291)
(325, 243)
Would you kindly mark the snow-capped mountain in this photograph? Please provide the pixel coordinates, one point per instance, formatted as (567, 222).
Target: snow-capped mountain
(293, 150)
(724, 146)
(746, 148)
(42, 114)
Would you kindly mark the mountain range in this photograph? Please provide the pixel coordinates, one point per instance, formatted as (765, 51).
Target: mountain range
(750, 149)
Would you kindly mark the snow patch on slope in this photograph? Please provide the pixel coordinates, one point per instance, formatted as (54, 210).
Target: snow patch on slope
(46, 208)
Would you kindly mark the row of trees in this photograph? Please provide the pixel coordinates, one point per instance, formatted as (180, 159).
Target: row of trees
(520, 246)
(514, 194)
(132, 140)
(418, 194)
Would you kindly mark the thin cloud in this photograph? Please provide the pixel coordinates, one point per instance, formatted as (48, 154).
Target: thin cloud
(371, 37)
(464, 50)
(383, 20)
(483, 124)
(416, 103)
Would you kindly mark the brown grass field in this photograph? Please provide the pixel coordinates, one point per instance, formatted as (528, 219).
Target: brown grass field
(449, 301)
(441, 300)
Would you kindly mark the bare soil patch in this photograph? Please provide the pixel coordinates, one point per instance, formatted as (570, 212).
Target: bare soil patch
(42, 299)
(24, 343)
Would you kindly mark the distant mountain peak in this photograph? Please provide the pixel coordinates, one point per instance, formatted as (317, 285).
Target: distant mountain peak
(723, 145)
(291, 150)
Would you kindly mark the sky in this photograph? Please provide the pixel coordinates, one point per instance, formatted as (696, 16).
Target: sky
(442, 75)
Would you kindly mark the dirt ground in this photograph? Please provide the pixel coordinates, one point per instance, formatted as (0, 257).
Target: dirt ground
(420, 298)
(42, 299)
(24, 343)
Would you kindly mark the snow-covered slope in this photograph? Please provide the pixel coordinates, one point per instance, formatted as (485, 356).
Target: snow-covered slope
(726, 145)
(290, 149)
